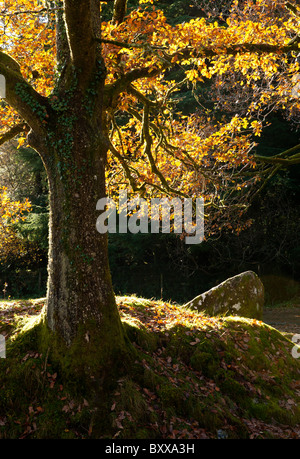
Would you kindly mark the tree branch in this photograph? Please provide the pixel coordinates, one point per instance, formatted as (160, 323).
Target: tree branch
(62, 46)
(284, 162)
(260, 48)
(167, 60)
(13, 132)
(204, 51)
(19, 12)
(119, 11)
(30, 105)
(124, 44)
(292, 8)
(274, 169)
(123, 163)
(79, 18)
(234, 49)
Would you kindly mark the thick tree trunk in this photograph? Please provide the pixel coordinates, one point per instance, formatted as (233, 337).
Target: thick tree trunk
(81, 315)
(83, 327)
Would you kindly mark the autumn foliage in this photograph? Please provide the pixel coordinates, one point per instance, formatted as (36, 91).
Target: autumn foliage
(11, 212)
(251, 48)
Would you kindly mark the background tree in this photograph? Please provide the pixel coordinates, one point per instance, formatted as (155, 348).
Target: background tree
(97, 94)
(11, 212)
(22, 173)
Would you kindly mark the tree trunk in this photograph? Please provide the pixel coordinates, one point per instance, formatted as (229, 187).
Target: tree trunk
(85, 328)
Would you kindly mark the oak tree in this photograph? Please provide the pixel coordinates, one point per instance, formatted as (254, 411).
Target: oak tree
(96, 99)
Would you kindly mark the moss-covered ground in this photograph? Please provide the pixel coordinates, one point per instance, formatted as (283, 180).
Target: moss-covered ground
(193, 377)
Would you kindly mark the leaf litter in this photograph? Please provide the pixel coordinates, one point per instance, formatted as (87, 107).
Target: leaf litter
(175, 396)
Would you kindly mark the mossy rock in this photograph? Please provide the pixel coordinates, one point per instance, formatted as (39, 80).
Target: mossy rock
(241, 295)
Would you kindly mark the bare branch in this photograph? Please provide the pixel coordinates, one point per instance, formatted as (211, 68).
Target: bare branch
(283, 159)
(292, 8)
(284, 162)
(273, 171)
(125, 166)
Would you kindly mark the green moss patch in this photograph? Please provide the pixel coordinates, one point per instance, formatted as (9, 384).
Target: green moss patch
(192, 376)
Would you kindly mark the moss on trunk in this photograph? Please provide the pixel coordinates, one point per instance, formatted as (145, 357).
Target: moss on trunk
(82, 324)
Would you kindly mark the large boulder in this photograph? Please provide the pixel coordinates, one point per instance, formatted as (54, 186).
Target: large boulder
(241, 295)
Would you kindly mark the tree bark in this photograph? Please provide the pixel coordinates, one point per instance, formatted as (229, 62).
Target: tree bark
(82, 325)
(86, 333)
